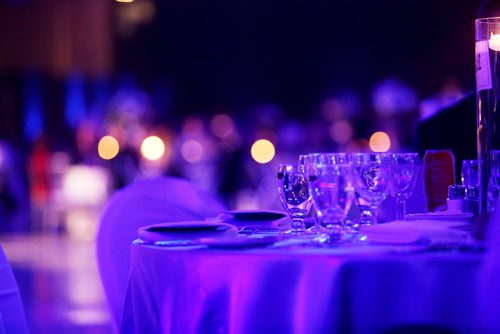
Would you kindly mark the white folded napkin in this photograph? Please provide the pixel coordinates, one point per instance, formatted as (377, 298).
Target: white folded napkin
(428, 231)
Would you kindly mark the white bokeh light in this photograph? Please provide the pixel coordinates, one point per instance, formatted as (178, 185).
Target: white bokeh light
(152, 148)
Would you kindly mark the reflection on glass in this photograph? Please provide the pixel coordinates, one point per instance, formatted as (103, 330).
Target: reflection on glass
(370, 172)
(293, 189)
(331, 189)
(403, 177)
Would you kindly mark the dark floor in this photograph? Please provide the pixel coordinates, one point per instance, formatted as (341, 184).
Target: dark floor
(59, 283)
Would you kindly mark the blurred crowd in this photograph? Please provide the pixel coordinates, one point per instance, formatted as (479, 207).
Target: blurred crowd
(59, 162)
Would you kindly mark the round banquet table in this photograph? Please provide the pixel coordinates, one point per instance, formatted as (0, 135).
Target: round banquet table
(362, 289)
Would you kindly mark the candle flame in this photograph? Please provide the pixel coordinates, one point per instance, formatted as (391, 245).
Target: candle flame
(494, 42)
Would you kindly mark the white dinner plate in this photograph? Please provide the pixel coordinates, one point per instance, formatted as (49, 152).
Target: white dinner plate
(185, 232)
(250, 218)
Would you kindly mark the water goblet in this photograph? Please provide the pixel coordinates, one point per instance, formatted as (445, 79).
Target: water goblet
(328, 158)
(293, 189)
(370, 173)
(330, 186)
(402, 180)
(494, 186)
(312, 159)
(469, 172)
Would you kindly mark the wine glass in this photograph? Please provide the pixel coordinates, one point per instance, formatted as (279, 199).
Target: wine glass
(370, 182)
(469, 171)
(330, 186)
(403, 177)
(323, 158)
(314, 159)
(494, 184)
(293, 189)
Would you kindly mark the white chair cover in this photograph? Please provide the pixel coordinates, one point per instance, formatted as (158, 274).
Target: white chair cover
(146, 202)
(12, 316)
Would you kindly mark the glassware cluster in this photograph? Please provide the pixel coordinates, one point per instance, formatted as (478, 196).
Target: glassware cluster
(487, 50)
(344, 191)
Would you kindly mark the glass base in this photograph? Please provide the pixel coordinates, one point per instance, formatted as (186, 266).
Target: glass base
(296, 232)
(356, 238)
(317, 229)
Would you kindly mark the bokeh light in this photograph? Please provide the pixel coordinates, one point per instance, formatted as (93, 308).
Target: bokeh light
(222, 126)
(152, 148)
(192, 151)
(380, 142)
(85, 185)
(341, 131)
(263, 151)
(108, 147)
(331, 109)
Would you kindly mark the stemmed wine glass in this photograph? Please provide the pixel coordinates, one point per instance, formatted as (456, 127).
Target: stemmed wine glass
(293, 189)
(370, 182)
(494, 186)
(403, 177)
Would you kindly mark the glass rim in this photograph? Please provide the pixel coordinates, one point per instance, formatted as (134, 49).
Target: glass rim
(493, 19)
(292, 165)
(358, 154)
(326, 165)
(314, 154)
(408, 154)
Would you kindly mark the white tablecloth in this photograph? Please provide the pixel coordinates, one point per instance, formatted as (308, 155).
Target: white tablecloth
(301, 290)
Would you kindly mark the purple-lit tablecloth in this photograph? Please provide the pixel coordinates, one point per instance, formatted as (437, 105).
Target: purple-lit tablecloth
(305, 290)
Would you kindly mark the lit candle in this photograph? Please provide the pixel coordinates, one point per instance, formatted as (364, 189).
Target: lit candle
(494, 42)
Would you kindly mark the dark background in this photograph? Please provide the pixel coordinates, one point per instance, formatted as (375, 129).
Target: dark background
(295, 52)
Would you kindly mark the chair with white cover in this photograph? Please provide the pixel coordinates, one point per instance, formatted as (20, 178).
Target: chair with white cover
(12, 315)
(145, 202)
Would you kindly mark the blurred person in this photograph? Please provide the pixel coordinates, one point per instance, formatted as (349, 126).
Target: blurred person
(342, 113)
(245, 183)
(124, 167)
(39, 180)
(86, 142)
(450, 93)
(14, 203)
(197, 154)
(454, 126)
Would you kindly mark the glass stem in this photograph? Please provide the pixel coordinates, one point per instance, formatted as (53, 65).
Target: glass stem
(399, 208)
(403, 209)
(298, 225)
(368, 215)
(317, 221)
(374, 211)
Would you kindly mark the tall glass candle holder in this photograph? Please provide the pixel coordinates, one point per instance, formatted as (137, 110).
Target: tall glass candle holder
(487, 100)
